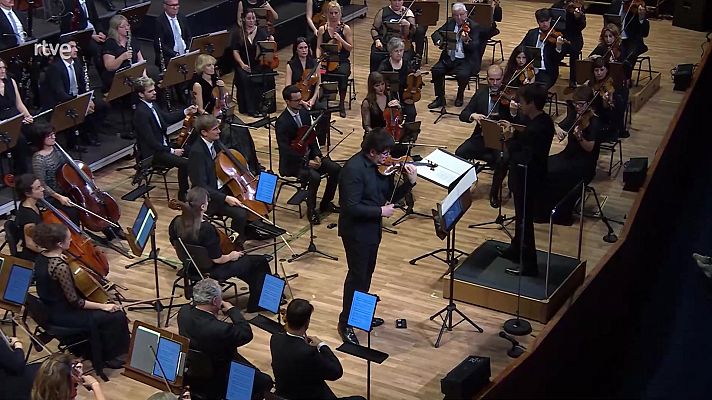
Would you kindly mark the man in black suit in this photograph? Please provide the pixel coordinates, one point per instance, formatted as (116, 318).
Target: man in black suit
(529, 148)
(151, 126)
(173, 32)
(12, 31)
(80, 15)
(201, 167)
(217, 340)
(483, 104)
(463, 61)
(65, 80)
(365, 197)
(301, 363)
(635, 27)
(307, 167)
(575, 24)
(551, 54)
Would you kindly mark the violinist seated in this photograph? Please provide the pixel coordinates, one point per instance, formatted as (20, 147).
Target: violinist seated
(575, 24)
(201, 170)
(396, 63)
(316, 16)
(250, 82)
(105, 323)
(335, 31)
(611, 103)
(382, 30)
(217, 338)
(303, 71)
(151, 126)
(192, 229)
(609, 47)
(204, 85)
(12, 29)
(552, 50)
(486, 103)
(290, 127)
(16, 377)
(519, 70)
(302, 364)
(80, 15)
(121, 50)
(11, 105)
(463, 61)
(636, 27)
(29, 190)
(59, 377)
(64, 81)
(576, 163)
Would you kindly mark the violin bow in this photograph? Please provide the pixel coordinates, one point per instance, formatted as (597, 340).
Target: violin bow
(578, 117)
(187, 253)
(400, 172)
(73, 204)
(514, 77)
(406, 9)
(551, 29)
(339, 142)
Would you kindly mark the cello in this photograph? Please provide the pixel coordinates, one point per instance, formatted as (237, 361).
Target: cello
(306, 135)
(231, 168)
(77, 180)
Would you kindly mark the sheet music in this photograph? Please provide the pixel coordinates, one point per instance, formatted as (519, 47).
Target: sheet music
(168, 355)
(449, 168)
(463, 186)
(240, 381)
(17, 284)
(271, 293)
(363, 307)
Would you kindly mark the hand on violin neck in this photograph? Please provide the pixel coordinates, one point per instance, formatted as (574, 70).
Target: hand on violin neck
(412, 172)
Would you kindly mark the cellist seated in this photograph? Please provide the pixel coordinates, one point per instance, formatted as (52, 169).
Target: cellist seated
(291, 125)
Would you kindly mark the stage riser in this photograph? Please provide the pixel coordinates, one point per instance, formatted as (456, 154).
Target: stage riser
(641, 94)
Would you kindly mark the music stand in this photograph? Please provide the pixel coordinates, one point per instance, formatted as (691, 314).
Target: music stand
(71, 114)
(426, 12)
(156, 357)
(19, 54)
(81, 38)
(266, 50)
(559, 14)
(409, 130)
(135, 14)
(363, 308)
(584, 71)
(10, 130)
(612, 19)
(122, 84)
(482, 15)
(449, 212)
(240, 381)
(179, 69)
(261, 15)
(15, 279)
(270, 298)
(533, 53)
(211, 43)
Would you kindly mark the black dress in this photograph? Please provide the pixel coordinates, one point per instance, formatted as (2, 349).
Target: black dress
(375, 116)
(112, 47)
(206, 91)
(342, 73)
(249, 268)
(24, 216)
(250, 86)
(8, 109)
(108, 332)
(408, 109)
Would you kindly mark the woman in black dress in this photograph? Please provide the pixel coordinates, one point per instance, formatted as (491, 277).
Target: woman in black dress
(29, 190)
(611, 102)
(335, 31)
(243, 5)
(11, 105)
(121, 50)
(204, 81)
(250, 84)
(397, 63)
(517, 60)
(191, 227)
(105, 324)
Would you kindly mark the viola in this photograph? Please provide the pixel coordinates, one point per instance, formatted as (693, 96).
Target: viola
(413, 89)
(392, 164)
(306, 135)
(394, 122)
(505, 96)
(221, 96)
(270, 62)
(80, 246)
(231, 168)
(330, 62)
(310, 77)
(77, 180)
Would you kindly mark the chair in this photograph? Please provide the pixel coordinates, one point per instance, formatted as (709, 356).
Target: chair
(553, 98)
(68, 337)
(493, 43)
(351, 86)
(299, 196)
(610, 146)
(198, 368)
(145, 171)
(12, 234)
(639, 67)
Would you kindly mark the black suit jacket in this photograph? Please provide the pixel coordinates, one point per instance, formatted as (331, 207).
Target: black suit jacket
(164, 31)
(150, 135)
(290, 162)
(479, 103)
(362, 192)
(65, 23)
(552, 58)
(471, 50)
(57, 82)
(201, 170)
(8, 38)
(300, 370)
(635, 29)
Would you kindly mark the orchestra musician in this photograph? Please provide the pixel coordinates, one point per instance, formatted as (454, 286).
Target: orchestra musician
(307, 167)
(486, 103)
(531, 149)
(173, 31)
(251, 77)
(315, 8)
(335, 31)
(105, 324)
(611, 102)
(204, 81)
(201, 170)
(302, 364)
(12, 30)
(192, 228)
(11, 105)
(381, 33)
(609, 46)
(59, 376)
(575, 24)
(118, 52)
(301, 63)
(243, 5)
(396, 63)
(518, 60)
(217, 339)
(29, 190)
(551, 53)
(463, 61)
(635, 27)
(151, 126)
(16, 377)
(365, 197)
(80, 15)
(375, 103)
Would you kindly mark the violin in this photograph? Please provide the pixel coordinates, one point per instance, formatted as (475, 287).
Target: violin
(319, 18)
(221, 98)
(80, 247)
(77, 180)
(231, 168)
(413, 89)
(605, 89)
(306, 135)
(527, 76)
(310, 77)
(330, 62)
(505, 96)
(551, 36)
(584, 120)
(391, 164)
(227, 243)
(394, 122)
(187, 129)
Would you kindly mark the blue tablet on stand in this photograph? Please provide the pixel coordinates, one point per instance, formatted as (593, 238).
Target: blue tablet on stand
(240, 382)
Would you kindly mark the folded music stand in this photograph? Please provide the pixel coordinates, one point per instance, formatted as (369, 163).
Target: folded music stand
(612, 19)
(122, 84)
(211, 43)
(392, 79)
(179, 69)
(135, 14)
(584, 71)
(19, 55)
(533, 53)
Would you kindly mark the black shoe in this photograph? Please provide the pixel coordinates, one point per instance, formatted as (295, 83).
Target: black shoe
(458, 101)
(625, 133)
(329, 207)
(314, 219)
(508, 253)
(494, 198)
(347, 334)
(342, 110)
(376, 322)
(437, 103)
(527, 271)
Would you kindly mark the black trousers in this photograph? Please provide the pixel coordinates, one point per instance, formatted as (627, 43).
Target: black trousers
(474, 148)
(171, 160)
(460, 67)
(249, 268)
(339, 75)
(419, 39)
(313, 179)
(547, 77)
(361, 261)
(524, 206)
(238, 216)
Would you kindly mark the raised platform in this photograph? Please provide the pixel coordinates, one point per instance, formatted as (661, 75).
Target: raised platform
(481, 280)
(639, 95)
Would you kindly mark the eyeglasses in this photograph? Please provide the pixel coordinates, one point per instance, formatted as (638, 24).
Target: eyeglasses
(172, 5)
(386, 153)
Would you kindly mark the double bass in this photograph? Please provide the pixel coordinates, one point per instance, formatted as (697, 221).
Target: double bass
(231, 168)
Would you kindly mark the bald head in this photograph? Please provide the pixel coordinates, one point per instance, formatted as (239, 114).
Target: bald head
(494, 77)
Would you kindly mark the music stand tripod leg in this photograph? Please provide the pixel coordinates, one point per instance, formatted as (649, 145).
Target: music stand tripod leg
(311, 248)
